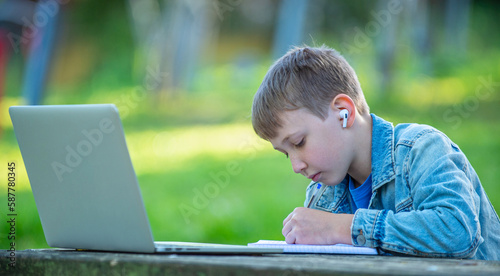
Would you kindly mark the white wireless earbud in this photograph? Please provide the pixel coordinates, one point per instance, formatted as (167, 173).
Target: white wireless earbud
(344, 114)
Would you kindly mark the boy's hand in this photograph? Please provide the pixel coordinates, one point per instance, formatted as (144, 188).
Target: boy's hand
(310, 226)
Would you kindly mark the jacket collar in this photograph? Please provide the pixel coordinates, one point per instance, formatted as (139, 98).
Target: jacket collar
(383, 169)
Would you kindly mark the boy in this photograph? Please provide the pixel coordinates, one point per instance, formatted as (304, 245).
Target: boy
(404, 190)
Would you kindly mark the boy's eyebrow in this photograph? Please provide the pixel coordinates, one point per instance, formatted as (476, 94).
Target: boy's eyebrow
(286, 139)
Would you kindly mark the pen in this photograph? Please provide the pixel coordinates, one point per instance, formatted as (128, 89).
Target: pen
(316, 194)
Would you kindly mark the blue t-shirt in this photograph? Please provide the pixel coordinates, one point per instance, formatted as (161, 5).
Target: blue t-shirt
(362, 194)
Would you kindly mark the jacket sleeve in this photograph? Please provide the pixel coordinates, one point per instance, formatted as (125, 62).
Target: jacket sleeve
(439, 217)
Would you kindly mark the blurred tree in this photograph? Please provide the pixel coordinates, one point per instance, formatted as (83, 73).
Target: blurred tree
(38, 23)
(171, 41)
(421, 28)
(44, 26)
(385, 45)
(292, 17)
(456, 25)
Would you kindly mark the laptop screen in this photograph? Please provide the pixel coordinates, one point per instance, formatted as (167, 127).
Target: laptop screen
(82, 178)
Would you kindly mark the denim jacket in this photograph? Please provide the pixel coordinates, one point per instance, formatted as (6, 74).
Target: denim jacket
(426, 200)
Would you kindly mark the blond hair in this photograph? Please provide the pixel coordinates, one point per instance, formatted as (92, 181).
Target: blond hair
(303, 78)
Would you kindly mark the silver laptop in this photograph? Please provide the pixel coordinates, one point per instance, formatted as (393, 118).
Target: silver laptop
(84, 185)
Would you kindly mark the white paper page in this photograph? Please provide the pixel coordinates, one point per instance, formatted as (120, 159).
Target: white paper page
(308, 248)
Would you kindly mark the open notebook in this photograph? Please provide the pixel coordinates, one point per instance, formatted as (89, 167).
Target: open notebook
(322, 249)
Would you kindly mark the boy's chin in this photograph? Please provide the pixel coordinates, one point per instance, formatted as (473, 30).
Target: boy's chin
(332, 181)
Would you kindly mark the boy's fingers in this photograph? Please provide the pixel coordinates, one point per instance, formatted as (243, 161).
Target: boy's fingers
(290, 238)
(287, 218)
(287, 227)
(288, 233)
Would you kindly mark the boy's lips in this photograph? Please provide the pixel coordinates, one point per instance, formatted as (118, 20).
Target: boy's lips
(315, 177)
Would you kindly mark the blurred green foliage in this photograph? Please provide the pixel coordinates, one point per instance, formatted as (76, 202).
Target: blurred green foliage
(181, 143)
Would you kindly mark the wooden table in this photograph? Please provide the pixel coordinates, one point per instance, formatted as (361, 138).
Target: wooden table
(71, 262)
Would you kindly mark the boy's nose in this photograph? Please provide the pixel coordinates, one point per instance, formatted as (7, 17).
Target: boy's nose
(298, 165)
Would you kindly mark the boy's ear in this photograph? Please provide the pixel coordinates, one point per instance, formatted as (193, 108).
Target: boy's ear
(344, 102)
